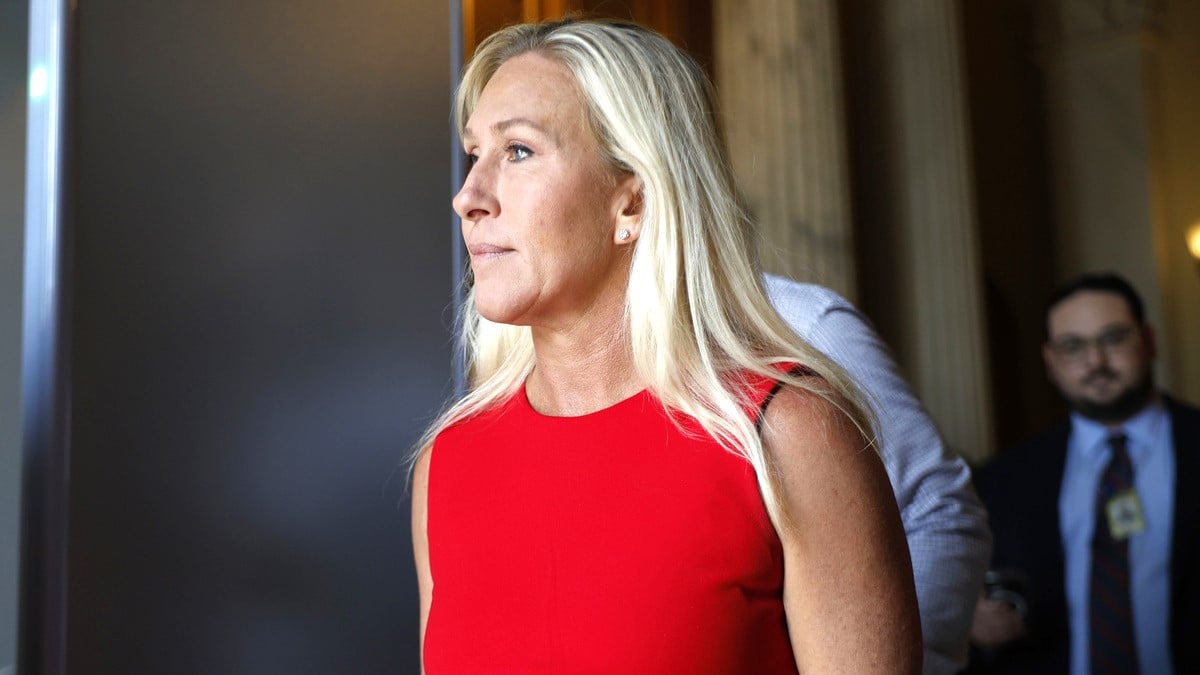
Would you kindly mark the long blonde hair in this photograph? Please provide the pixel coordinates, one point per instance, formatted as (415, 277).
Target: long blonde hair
(695, 308)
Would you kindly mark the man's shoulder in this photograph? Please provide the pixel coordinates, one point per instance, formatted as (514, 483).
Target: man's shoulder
(1181, 409)
(792, 294)
(808, 307)
(1024, 479)
(1019, 459)
(1185, 430)
(1054, 435)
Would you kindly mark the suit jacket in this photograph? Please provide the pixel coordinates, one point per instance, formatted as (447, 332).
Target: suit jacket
(1021, 488)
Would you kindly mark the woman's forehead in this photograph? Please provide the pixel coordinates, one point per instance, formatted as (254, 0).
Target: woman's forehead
(529, 90)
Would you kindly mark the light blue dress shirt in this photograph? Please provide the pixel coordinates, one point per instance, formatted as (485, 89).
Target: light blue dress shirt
(944, 522)
(1088, 454)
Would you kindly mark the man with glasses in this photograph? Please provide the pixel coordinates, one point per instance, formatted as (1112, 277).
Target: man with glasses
(1096, 565)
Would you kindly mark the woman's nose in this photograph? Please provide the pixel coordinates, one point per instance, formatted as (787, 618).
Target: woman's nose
(476, 199)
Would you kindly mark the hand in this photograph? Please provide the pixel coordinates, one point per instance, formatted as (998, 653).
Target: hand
(995, 623)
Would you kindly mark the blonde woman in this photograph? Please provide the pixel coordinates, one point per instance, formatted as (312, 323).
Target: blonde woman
(650, 473)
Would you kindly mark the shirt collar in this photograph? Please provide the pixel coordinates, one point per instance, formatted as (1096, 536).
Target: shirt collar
(1142, 429)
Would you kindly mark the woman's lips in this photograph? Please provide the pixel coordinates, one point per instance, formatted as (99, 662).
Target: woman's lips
(486, 251)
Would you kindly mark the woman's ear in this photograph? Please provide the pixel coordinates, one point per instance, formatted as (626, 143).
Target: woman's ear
(630, 202)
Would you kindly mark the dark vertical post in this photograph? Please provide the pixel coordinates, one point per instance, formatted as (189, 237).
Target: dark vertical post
(457, 173)
(46, 368)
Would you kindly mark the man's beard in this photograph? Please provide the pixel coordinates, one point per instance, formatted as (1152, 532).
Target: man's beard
(1127, 404)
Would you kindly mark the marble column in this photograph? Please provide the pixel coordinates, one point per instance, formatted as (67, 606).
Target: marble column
(937, 297)
(779, 75)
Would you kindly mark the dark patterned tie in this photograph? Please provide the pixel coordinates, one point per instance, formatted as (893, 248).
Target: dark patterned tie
(1112, 647)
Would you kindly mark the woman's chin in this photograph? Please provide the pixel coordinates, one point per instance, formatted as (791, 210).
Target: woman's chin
(498, 311)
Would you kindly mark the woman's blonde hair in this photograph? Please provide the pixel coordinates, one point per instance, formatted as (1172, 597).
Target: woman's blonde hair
(695, 308)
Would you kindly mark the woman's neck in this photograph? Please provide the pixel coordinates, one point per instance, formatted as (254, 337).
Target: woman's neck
(582, 371)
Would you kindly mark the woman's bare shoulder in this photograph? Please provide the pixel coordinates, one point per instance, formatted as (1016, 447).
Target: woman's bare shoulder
(804, 427)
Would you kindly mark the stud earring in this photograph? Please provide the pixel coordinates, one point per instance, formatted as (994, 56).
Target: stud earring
(624, 234)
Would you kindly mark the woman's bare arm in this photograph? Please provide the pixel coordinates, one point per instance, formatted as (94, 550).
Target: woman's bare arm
(848, 582)
(420, 490)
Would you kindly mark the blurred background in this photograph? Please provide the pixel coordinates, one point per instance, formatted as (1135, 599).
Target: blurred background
(258, 264)
(946, 164)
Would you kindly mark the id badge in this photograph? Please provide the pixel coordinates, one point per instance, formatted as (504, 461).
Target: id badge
(1124, 511)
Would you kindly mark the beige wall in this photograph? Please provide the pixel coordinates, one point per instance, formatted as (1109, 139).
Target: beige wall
(1174, 98)
(1098, 129)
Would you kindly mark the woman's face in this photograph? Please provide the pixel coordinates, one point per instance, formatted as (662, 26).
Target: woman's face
(540, 211)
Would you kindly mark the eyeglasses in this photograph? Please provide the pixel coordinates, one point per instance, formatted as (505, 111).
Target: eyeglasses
(1113, 340)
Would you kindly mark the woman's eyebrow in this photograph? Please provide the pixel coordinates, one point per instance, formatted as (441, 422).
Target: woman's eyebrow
(506, 124)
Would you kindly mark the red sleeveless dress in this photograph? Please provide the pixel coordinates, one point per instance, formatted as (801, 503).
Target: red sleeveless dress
(611, 543)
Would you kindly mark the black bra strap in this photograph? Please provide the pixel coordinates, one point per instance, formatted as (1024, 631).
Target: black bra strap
(796, 371)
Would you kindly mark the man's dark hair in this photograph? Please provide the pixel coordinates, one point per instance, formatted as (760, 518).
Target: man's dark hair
(1103, 282)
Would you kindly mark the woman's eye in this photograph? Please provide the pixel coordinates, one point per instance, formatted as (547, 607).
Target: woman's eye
(518, 152)
(471, 158)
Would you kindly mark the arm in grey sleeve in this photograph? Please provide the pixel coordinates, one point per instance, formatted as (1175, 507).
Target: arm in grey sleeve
(944, 521)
